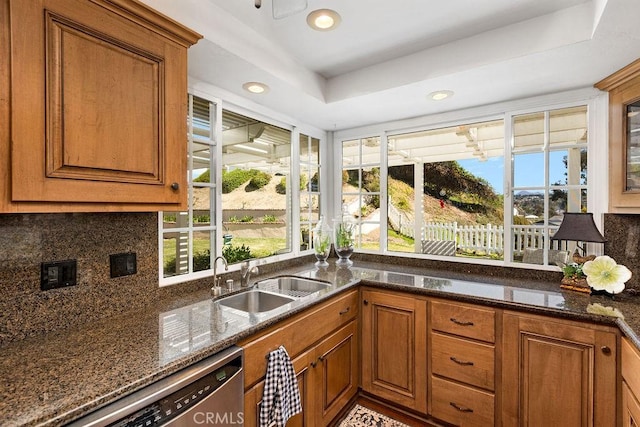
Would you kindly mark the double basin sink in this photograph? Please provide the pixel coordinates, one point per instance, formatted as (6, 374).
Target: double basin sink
(270, 294)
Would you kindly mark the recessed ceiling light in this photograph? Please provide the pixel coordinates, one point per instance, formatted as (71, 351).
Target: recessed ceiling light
(255, 87)
(323, 19)
(440, 95)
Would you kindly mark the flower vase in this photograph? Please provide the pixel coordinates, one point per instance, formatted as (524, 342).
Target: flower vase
(344, 239)
(321, 243)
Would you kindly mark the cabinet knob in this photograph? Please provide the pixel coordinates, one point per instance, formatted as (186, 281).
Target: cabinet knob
(313, 364)
(175, 186)
(365, 302)
(605, 350)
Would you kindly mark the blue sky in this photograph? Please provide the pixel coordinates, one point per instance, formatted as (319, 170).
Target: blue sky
(529, 169)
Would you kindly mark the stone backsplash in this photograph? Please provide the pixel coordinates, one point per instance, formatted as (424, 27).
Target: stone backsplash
(26, 240)
(623, 243)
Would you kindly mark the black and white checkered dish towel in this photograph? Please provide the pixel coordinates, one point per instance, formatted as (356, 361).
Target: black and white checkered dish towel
(281, 397)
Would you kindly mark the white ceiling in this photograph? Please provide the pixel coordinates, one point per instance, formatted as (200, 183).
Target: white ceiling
(387, 55)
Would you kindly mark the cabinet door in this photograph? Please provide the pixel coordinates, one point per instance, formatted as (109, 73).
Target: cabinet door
(335, 373)
(253, 396)
(630, 408)
(98, 106)
(555, 370)
(394, 348)
(624, 123)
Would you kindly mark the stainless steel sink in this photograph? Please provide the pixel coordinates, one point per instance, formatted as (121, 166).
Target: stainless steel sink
(296, 287)
(255, 301)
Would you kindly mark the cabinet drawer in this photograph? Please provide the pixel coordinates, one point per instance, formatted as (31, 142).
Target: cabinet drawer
(464, 320)
(461, 405)
(465, 361)
(297, 334)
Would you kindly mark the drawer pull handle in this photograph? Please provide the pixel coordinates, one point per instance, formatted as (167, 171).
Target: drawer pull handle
(461, 408)
(460, 323)
(345, 311)
(461, 362)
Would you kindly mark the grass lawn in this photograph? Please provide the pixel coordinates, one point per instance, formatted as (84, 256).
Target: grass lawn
(395, 242)
(260, 247)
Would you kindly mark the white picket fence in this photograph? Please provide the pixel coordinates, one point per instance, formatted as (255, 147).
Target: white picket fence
(400, 222)
(483, 238)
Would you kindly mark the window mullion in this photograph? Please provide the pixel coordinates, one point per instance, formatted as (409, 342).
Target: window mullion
(508, 179)
(547, 191)
(384, 192)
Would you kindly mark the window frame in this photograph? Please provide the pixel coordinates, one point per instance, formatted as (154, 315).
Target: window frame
(270, 117)
(213, 228)
(596, 103)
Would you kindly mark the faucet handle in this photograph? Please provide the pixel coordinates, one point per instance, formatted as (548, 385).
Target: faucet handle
(244, 267)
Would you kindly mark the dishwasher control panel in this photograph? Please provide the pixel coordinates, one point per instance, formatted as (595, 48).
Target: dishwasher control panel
(162, 411)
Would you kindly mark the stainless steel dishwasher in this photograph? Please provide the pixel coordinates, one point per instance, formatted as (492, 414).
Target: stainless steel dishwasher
(208, 393)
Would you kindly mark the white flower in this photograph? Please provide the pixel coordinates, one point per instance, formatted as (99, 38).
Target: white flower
(603, 274)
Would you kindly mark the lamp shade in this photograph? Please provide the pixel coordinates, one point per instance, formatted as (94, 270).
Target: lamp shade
(578, 227)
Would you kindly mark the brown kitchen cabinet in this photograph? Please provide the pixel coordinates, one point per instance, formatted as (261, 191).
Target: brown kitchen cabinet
(327, 379)
(394, 348)
(253, 396)
(98, 93)
(630, 361)
(323, 342)
(624, 138)
(462, 368)
(558, 372)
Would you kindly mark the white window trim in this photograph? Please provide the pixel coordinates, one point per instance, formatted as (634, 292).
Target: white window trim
(263, 114)
(597, 185)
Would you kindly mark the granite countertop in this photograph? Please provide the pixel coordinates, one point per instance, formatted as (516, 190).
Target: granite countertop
(58, 377)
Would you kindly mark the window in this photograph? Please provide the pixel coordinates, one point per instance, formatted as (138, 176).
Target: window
(549, 162)
(361, 189)
(489, 191)
(188, 238)
(256, 188)
(444, 191)
(310, 172)
(241, 195)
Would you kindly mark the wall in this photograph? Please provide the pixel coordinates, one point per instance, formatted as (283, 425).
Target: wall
(623, 244)
(28, 240)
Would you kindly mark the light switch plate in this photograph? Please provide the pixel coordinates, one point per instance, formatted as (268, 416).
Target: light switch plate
(123, 264)
(57, 274)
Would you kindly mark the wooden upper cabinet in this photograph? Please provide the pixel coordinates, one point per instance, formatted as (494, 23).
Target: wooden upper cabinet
(624, 138)
(98, 107)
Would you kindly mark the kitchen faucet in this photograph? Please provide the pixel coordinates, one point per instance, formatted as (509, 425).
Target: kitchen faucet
(216, 279)
(245, 273)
